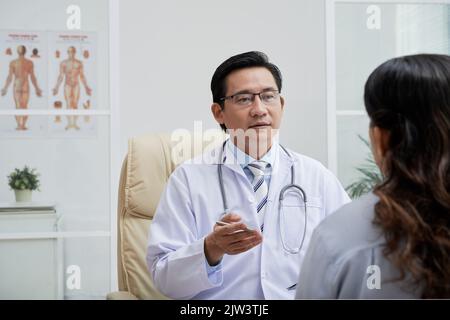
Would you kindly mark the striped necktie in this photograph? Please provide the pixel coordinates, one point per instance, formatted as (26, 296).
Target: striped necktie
(260, 188)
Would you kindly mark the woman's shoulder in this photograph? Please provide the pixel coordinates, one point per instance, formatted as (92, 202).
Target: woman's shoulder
(351, 227)
(352, 246)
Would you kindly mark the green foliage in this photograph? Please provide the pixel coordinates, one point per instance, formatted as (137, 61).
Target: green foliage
(371, 176)
(24, 179)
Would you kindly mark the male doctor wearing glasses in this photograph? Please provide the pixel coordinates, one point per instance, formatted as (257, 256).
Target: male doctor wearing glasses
(221, 229)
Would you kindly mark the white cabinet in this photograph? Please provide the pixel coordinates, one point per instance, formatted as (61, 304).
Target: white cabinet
(30, 252)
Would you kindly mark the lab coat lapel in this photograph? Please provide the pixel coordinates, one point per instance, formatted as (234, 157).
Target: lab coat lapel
(281, 174)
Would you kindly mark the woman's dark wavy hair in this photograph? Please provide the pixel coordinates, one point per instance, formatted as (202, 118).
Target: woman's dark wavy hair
(410, 97)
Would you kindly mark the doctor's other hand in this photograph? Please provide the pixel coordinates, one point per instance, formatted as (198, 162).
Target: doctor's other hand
(233, 238)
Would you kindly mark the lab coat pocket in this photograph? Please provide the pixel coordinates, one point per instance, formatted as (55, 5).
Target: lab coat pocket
(297, 222)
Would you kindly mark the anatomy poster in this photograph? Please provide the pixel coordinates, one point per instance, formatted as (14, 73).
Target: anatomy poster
(23, 81)
(42, 70)
(72, 82)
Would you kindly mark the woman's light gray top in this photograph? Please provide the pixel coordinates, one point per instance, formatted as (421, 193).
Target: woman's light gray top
(345, 259)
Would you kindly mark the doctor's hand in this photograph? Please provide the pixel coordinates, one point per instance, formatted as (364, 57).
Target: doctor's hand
(233, 238)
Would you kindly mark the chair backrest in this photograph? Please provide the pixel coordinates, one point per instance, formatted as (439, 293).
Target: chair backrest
(150, 161)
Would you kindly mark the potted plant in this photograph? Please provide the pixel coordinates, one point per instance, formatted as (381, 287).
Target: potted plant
(23, 182)
(370, 176)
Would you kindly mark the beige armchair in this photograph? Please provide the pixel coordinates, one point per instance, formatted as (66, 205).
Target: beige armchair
(144, 174)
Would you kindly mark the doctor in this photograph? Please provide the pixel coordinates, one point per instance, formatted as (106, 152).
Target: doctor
(220, 230)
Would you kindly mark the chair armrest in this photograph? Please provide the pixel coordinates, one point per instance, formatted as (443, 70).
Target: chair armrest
(121, 295)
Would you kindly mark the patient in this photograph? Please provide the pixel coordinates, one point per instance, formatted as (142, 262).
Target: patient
(394, 242)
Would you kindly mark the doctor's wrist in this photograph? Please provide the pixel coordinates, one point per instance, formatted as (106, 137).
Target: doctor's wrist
(213, 252)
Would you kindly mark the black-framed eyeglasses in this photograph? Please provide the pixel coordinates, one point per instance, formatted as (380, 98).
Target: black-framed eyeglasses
(268, 97)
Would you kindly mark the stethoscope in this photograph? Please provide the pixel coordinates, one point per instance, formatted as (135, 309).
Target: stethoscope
(283, 191)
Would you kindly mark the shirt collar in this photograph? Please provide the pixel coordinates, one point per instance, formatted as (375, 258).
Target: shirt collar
(243, 159)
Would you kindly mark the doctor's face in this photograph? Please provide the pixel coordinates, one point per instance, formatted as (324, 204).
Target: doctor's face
(255, 115)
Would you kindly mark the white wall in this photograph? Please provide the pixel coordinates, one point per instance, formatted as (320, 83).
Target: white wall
(169, 50)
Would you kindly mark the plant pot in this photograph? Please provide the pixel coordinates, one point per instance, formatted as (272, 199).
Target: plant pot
(23, 195)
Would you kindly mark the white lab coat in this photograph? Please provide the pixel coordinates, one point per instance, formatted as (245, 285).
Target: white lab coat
(192, 202)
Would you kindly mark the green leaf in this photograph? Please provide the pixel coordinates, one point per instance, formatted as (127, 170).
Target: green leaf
(370, 175)
(24, 179)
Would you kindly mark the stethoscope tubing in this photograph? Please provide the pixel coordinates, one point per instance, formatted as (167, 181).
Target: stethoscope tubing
(281, 198)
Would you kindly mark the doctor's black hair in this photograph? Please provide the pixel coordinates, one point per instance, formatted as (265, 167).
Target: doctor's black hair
(237, 62)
